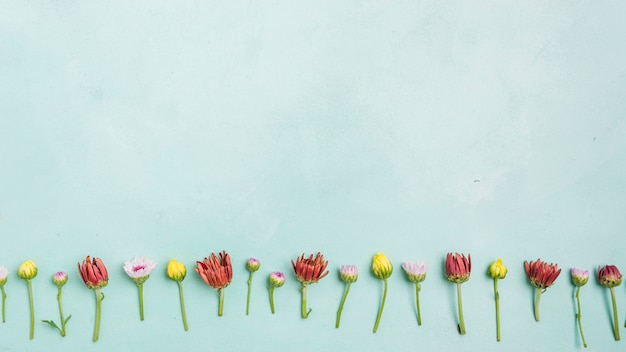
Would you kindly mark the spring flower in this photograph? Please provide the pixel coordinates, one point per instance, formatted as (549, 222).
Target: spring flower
(382, 268)
(349, 274)
(253, 265)
(4, 272)
(277, 279)
(177, 271)
(416, 273)
(59, 279)
(579, 279)
(217, 273)
(541, 276)
(497, 271)
(309, 271)
(139, 270)
(95, 276)
(458, 269)
(27, 271)
(610, 277)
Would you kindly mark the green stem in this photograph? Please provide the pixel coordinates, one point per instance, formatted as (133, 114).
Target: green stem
(343, 301)
(140, 301)
(537, 300)
(460, 300)
(272, 299)
(417, 304)
(580, 326)
(497, 294)
(4, 298)
(182, 304)
(305, 313)
(32, 309)
(615, 320)
(249, 289)
(60, 300)
(220, 310)
(382, 306)
(96, 330)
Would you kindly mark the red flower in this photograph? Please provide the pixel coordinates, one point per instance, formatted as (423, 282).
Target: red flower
(458, 267)
(216, 272)
(609, 276)
(541, 274)
(310, 270)
(94, 273)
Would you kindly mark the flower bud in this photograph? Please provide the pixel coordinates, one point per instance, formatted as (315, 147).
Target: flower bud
(349, 273)
(497, 270)
(27, 270)
(253, 264)
(579, 277)
(381, 266)
(415, 271)
(4, 272)
(176, 270)
(60, 278)
(609, 276)
(277, 279)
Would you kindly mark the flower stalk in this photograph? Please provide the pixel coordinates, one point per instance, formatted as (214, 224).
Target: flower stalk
(27, 271)
(348, 274)
(458, 269)
(579, 279)
(416, 273)
(578, 316)
(95, 276)
(60, 278)
(176, 271)
(382, 268)
(217, 272)
(382, 306)
(4, 273)
(253, 265)
(541, 276)
(139, 270)
(610, 277)
(276, 279)
(309, 271)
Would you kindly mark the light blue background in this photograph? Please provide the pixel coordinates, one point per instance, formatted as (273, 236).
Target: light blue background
(270, 129)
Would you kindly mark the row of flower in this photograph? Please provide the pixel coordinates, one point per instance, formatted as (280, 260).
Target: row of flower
(216, 271)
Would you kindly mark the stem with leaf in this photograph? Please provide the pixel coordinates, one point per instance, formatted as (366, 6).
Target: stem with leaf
(305, 313)
(343, 301)
(580, 326)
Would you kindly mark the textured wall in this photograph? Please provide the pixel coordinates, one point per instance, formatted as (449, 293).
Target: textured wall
(274, 128)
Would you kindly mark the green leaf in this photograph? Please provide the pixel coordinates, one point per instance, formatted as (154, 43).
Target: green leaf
(68, 319)
(51, 323)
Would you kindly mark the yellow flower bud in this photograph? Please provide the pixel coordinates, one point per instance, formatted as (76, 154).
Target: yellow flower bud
(27, 270)
(381, 266)
(497, 270)
(176, 270)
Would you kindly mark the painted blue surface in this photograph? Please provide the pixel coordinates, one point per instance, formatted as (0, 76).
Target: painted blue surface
(277, 128)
